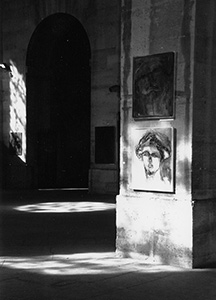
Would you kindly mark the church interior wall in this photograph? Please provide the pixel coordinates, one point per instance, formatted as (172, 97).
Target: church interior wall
(149, 221)
(204, 137)
(101, 22)
(174, 225)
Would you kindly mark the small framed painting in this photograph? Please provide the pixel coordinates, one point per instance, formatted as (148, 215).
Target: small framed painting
(153, 160)
(153, 86)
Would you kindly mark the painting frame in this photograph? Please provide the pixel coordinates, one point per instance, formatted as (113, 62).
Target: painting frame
(164, 181)
(154, 86)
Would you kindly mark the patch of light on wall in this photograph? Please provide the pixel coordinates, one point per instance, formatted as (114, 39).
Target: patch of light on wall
(66, 207)
(82, 264)
(18, 106)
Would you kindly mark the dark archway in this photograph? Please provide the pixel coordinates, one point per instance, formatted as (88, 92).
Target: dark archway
(58, 104)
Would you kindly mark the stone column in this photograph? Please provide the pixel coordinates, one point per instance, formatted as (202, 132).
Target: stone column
(1, 101)
(204, 136)
(157, 223)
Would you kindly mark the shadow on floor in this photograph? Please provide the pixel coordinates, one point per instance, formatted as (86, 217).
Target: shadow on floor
(44, 222)
(60, 245)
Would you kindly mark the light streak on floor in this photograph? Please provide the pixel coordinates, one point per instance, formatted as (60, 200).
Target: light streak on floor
(65, 207)
(82, 264)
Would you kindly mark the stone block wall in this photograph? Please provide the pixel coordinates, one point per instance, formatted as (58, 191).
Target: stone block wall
(176, 228)
(157, 225)
(204, 135)
(155, 229)
(204, 233)
(204, 109)
(101, 21)
(105, 37)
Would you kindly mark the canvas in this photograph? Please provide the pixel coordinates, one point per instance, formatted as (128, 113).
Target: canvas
(153, 160)
(153, 86)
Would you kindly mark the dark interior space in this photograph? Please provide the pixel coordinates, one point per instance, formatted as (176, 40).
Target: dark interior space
(58, 104)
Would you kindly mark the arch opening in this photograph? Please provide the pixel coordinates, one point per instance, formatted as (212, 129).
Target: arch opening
(58, 104)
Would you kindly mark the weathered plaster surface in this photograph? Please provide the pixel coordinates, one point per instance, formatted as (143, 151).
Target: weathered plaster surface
(158, 228)
(156, 225)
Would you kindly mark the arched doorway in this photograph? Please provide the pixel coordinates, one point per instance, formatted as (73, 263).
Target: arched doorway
(58, 103)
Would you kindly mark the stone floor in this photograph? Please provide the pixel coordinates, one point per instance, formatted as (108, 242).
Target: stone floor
(61, 245)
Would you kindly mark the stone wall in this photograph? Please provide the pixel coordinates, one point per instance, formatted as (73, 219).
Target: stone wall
(204, 109)
(157, 225)
(179, 227)
(204, 233)
(101, 22)
(155, 229)
(1, 104)
(204, 135)
(105, 37)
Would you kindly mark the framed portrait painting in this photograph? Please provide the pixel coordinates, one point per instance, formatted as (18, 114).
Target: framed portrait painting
(153, 160)
(153, 86)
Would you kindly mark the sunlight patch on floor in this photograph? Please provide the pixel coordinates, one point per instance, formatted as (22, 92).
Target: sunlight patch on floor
(66, 207)
(82, 264)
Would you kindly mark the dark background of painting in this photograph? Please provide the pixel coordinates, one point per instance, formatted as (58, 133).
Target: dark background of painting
(153, 86)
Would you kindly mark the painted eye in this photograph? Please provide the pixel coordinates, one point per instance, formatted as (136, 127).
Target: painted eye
(155, 155)
(146, 153)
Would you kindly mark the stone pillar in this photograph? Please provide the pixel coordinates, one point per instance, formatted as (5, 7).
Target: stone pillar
(204, 136)
(1, 102)
(168, 224)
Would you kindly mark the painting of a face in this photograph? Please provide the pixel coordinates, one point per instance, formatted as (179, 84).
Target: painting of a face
(153, 86)
(151, 160)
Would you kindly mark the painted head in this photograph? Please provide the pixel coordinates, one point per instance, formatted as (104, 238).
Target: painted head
(153, 149)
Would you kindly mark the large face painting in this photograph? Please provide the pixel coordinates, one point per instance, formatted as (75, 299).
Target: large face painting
(152, 160)
(153, 86)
